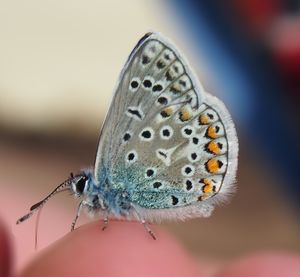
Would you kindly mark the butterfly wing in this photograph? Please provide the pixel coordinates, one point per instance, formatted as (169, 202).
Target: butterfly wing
(168, 142)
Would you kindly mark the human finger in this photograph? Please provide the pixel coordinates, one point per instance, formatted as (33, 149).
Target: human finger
(123, 249)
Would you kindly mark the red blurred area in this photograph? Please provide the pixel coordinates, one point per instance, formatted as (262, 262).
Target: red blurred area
(256, 14)
(285, 47)
(274, 25)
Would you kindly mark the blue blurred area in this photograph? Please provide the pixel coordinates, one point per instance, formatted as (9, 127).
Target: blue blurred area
(257, 80)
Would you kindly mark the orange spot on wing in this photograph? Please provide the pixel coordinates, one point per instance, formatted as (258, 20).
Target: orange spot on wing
(207, 182)
(175, 88)
(213, 165)
(211, 132)
(167, 112)
(213, 147)
(184, 115)
(208, 189)
(203, 119)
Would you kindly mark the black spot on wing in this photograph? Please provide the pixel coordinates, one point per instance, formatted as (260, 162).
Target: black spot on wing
(160, 64)
(167, 57)
(188, 131)
(162, 154)
(211, 116)
(135, 113)
(174, 200)
(189, 185)
(175, 89)
(146, 134)
(157, 88)
(169, 76)
(134, 84)
(183, 83)
(162, 100)
(126, 137)
(194, 156)
(150, 172)
(195, 140)
(147, 83)
(145, 59)
(130, 156)
(166, 133)
(156, 185)
(187, 170)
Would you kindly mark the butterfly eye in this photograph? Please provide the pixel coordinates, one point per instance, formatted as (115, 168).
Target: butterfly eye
(80, 185)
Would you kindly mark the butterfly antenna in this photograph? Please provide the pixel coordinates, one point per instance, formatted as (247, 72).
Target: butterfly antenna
(37, 228)
(62, 187)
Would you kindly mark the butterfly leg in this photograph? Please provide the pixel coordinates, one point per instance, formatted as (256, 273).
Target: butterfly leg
(105, 222)
(147, 228)
(144, 223)
(77, 215)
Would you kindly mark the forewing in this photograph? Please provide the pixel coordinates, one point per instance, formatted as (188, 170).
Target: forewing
(149, 60)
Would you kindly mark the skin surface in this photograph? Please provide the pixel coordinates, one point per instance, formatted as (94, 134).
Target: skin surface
(126, 249)
(275, 264)
(123, 249)
(5, 252)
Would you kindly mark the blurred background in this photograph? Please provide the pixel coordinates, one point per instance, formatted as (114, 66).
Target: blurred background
(59, 61)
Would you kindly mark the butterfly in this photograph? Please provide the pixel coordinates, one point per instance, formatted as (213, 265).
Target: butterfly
(167, 149)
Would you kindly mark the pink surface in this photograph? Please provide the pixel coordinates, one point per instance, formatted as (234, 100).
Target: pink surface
(55, 221)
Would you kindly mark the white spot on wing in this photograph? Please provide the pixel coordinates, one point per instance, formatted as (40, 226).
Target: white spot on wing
(165, 155)
(166, 132)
